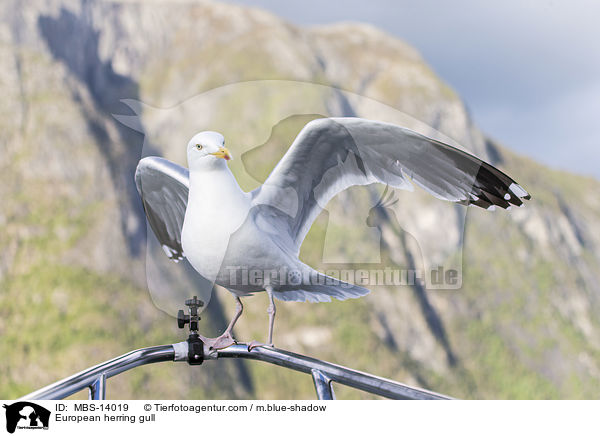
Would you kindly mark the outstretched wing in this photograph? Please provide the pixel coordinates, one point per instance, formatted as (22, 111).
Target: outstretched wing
(332, 154)
(163, 187)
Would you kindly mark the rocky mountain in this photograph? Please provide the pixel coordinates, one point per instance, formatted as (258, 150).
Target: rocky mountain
(90, 86)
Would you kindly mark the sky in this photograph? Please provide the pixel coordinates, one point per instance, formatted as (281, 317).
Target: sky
(529, 70)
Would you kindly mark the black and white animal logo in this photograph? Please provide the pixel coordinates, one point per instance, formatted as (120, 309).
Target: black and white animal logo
(26, 415)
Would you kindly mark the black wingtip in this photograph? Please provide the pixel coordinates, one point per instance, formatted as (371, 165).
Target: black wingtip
(494, 188)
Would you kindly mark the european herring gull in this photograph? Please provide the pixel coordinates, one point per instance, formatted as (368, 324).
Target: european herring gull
(249, 241)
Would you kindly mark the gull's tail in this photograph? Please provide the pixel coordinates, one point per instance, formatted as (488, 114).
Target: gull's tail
(320, 288)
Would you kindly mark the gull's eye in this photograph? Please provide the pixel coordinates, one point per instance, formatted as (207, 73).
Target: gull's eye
(199, 146)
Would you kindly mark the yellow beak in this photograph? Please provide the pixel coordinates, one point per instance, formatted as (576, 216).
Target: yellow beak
(223, 153)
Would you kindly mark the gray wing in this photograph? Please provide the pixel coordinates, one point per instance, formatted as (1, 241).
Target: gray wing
(332, 154)
(163, 187)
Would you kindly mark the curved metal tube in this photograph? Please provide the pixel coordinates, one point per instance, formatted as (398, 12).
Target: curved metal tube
(323, 373)
(70, 385)
(346, 376)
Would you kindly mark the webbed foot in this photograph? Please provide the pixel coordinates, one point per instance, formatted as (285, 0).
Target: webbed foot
(223, 341)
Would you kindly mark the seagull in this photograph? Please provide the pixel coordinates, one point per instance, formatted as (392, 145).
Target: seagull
(249, 242)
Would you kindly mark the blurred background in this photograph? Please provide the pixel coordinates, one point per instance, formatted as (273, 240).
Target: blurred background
(91, 86)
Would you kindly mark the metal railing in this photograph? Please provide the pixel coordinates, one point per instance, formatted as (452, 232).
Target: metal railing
(195, 352)
(323, 373)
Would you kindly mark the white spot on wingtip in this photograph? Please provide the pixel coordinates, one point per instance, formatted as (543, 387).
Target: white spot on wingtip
(167, 251)
(507, 196)
(518, 190)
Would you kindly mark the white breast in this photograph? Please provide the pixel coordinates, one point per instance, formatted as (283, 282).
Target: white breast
(217, 207)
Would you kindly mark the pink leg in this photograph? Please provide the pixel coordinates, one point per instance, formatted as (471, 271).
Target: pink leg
(271, 311)
(226, 339)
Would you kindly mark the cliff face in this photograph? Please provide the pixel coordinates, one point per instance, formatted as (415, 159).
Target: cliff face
(73, 287)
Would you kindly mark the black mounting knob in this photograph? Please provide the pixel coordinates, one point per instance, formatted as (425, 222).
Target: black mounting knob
(182, 319)
(194, 302)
